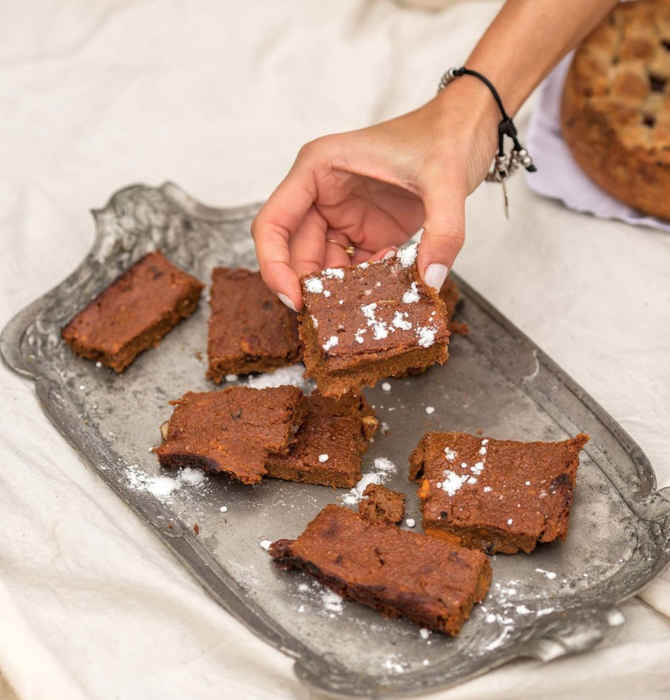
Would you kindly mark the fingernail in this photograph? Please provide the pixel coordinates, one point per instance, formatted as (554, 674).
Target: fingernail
(435, 275)
(390, 254)
(288, 302)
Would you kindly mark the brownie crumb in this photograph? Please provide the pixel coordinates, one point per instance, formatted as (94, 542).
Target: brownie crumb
(381, 504)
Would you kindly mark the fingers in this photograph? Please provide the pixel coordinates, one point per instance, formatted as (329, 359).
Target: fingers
(381, 254)
(336, 255)
(307, 246)
(444, 233)
(280, 218)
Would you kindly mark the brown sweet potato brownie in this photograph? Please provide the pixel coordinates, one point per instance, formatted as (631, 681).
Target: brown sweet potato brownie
(250, 330)
(400, 573)
(365, 322)
(382, 505)
(133, 313)
(330, 443)
(232, 430)
(495, 495)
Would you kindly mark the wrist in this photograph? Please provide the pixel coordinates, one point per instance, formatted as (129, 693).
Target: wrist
(470, 103)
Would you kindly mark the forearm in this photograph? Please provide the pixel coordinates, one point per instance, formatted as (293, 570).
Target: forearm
(528, 38)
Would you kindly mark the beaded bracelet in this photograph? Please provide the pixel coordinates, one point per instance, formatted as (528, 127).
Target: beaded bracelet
(503, 164)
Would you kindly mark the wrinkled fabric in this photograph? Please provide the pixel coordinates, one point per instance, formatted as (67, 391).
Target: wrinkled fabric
(219, 96)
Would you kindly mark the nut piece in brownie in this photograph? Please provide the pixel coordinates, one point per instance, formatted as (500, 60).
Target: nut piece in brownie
(365, 322)
(382, 505)
(250, 330)
(133, 313)
(400, 573)
(330, 443)
(495, 495)
(232, 430)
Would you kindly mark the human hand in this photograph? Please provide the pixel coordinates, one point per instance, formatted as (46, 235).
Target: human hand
(376, 187)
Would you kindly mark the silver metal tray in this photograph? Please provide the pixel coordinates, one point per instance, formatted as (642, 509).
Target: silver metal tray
(558, 601)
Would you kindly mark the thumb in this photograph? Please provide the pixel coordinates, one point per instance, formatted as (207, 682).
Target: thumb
(443, 234)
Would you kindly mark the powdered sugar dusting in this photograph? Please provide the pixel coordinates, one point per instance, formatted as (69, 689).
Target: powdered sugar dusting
(380, 329)
(452, 482)
(285, 376)
(333, 273)
(382, 469)
(399, 321)
(407, 256)
(330, 343)
(163, 486)
(314, 285)
(426, 335)
(412, 295)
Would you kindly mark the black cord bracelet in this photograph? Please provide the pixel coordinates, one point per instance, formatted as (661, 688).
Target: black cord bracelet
(503, 165)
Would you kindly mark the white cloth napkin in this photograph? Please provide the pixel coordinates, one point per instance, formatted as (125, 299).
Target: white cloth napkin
(558, 174)
(218, 95)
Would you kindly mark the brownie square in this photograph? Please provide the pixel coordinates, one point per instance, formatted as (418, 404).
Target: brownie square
(365, 322)
(232, 430)
(133, 313)
(400, 573)
(382, 505)
(495, 495)
(330, 443)
(250, 330)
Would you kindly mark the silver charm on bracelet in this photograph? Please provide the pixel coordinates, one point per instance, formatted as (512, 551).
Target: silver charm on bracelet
(504, 164)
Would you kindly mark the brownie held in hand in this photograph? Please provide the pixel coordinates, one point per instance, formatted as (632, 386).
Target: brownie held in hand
(330, 443)
(365, 322)
(495, 495)
(232, 430)
(250, 330)
(399, 573)
(134, 312)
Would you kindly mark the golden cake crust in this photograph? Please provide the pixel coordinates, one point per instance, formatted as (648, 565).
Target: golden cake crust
(615, 111)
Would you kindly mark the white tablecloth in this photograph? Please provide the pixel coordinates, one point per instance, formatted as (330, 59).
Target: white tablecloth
(218, 96)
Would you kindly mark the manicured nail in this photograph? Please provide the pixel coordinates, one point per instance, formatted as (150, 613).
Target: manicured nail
(390, 254)
(435, 275)
(288, 302)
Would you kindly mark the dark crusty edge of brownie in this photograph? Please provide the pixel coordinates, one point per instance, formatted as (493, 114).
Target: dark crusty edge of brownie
(383, 599)
(146, 340)
(493, 540)
(179, 460)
